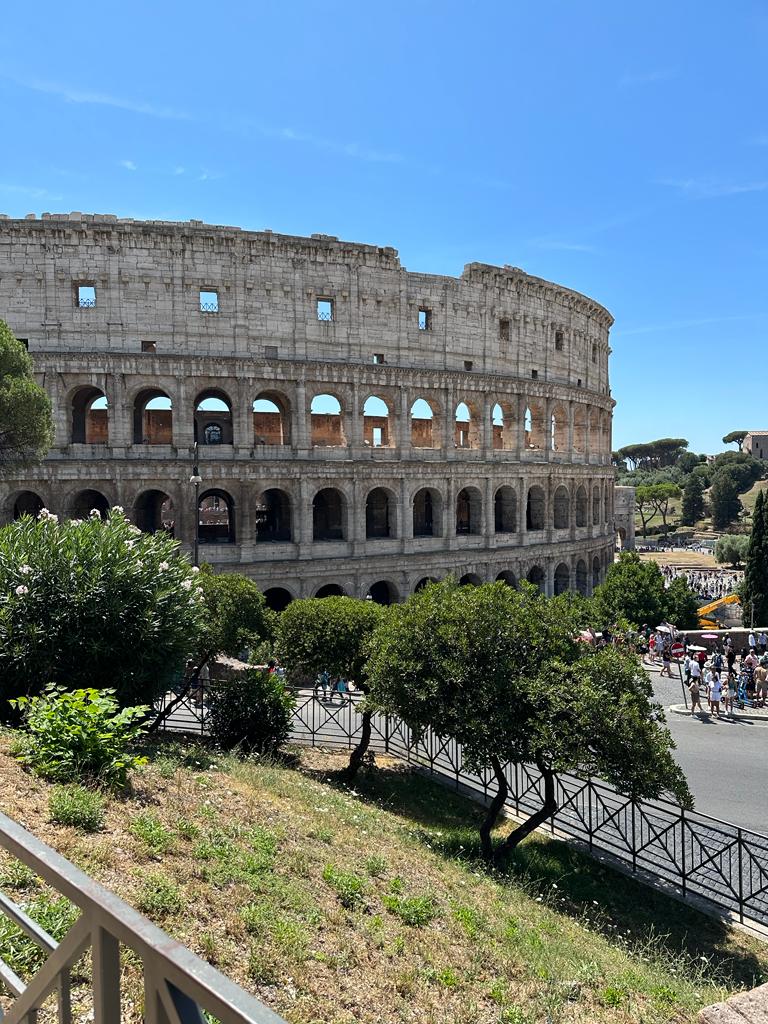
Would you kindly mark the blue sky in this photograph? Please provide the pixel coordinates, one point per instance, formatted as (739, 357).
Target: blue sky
(619, 149)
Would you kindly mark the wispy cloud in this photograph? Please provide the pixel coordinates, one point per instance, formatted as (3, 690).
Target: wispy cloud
(698, 188)
(71, 94)
(177, 171)
(653, 75)
(129, 165)
(348, 149)
(559, 245)
(677, 325)
(27, 190)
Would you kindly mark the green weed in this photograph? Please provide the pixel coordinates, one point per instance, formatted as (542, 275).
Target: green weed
(76, 806)
(152, 833)
(159, 896)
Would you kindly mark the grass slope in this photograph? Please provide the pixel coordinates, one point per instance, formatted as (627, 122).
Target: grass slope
(337, 906)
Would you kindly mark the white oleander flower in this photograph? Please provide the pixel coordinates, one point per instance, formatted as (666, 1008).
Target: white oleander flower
(25, 570)
(21, 590)
(195, 568)
(186, 584)
(164, 566)
(118, 508)
(95, 514)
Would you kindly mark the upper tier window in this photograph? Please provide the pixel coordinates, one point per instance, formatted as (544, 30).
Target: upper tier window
(85, 296)
(325, 310)
(209, 301)
(425, 319)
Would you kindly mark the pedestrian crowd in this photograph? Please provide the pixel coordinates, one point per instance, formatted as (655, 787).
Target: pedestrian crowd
(707, 584)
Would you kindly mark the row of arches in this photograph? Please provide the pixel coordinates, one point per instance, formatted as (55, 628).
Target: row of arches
(275, 510)
(531, 425)
(582, 578)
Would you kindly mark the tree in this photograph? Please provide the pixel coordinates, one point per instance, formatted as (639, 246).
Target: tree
(331, 634)
(731, 548)
(93, 604)
(633, 590)
(501, 672)
(754, 592)
(724, 499)
(654, 499)
(234, 616)
(251, 711)
(693, 500)
(26, 430)
(735, 437)
(681, 605)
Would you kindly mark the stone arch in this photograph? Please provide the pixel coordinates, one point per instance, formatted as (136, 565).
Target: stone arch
(383, 592)
(278, 598)
(424, 425)
(537, 577)
(273, 517)
(213, 417)
(621, 538)
(579, 428)
(469, 511)
(423, 582)
(558, 426)
(271, 418)
(503, 426)
(594, 431)
(505, 510)
(534, 425)
(152, 417)
(26, 503)
(377, 432)
(535, 508)
(153, 512)
(581, 577)
(561, 518)
(427, 513)
(466, 432)
(326, 421)
(329, 515)
(595, 505)
(330, 590)
(90, 416)
(582, 507)
(508, 577)
(380, 513)
(595, 572)
(82, 503)
(562, 578)
(470, 579)
(216, 517)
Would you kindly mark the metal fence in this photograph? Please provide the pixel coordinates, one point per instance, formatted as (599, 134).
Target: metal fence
(690, 853)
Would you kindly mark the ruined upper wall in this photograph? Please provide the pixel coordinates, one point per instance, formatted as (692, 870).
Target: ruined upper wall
(148, 276)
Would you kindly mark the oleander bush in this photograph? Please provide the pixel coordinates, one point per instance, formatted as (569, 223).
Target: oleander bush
(93, 603)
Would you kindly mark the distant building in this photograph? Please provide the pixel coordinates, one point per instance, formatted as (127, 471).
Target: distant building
(756, 444)
(624, 516)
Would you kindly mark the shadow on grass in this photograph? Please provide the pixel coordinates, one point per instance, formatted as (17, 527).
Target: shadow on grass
(641, 918)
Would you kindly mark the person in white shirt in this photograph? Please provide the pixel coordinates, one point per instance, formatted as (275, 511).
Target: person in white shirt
(714, 693)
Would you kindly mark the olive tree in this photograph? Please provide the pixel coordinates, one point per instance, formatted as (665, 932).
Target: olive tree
(332, 634)
(501, 672)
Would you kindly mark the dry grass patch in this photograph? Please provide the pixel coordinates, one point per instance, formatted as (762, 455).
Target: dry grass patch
(369, 905)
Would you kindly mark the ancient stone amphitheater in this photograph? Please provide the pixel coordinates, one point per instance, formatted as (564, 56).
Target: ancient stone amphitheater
(357, 428)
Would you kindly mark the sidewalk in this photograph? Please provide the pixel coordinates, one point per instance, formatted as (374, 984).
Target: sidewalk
(745, 715)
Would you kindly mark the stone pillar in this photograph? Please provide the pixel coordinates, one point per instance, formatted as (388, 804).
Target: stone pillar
(353, 427)
(449, 425)
(356, 518)
(406, 517)
(242, 419)
(449, 514)
(300, 434)
(486, 435)
(549, 586)
(403, 438)
(570, 430)
(548, 428)
(183, 416)
(522, 405)
(304, 519)
(490, 514)
(120, 418)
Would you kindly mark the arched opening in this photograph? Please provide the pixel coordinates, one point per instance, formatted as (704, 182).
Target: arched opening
(607, 506)
(427, 509)
(424, 582)
(595, 505)
(594, 431)
(561, 515)
(579, 429)
(469, 507)
(621, 538)
(379, 514)
(152, 417)
(277, 598)
(328, 515)
(271, 422)
(582, 507)
(537, 577)
(503, 427)
(376, 423)
(27, 503)
(383, 592)
(507, 577)
(470, 579)
(559, 430)
(213, 418)
(273, 517)
(90, 416)
(422, 425)
(86, 502)
(595, 572)
(153, 511)
(331, 590)
(562, 578)
(466, 427)
(216, 518)
(534, 512)
(327, 429)
(505, 510)
(534, 426)
(581, 577)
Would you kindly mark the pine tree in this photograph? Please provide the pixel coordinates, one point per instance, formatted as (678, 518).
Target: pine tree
(693, 500)
(755, 592)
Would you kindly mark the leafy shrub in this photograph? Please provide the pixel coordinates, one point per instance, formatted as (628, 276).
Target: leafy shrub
(80, 733)
(350, 888)
(77, 806)
(93, 603)
(251, 711)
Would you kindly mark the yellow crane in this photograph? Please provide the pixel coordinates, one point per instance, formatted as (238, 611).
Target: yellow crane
(705, 612)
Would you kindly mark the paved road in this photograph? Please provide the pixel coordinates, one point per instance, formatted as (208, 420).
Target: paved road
(726, 762)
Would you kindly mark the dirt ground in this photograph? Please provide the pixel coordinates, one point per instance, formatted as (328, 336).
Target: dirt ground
(694, 559)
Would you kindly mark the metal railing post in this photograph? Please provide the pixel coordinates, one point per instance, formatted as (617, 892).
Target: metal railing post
(634, 841)
(741, 879)
(106, 977)
(684, 874)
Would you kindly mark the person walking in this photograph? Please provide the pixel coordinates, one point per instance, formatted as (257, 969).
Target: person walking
(714, 694)
(695, 692)
(729, 693)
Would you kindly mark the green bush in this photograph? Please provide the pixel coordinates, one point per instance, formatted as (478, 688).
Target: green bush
(93, 603)
(251, 711)
(159, 896)
(413, 910)
(83, 733)
(77, 806)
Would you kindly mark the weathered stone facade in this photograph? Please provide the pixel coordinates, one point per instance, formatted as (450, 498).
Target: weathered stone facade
(254, 326)
(624, 516)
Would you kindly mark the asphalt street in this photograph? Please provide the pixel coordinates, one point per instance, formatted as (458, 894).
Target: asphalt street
(726, 762)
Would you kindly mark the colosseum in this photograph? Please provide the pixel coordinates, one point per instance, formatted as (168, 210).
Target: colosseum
(308, 412)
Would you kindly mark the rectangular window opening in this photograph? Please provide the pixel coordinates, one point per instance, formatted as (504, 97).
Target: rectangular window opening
(378, 358)
(425, 319)
(578, 383)
(270, 351)
(468, 364)
(535, 374)
(594, 353)
(149, 346)
(209, 301)
(377, 437)
(558, 341)
(504, 329)
(325, 310)
(24, 342)
(85, 296)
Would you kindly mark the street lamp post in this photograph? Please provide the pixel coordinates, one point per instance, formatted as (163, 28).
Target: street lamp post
(196, 480)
